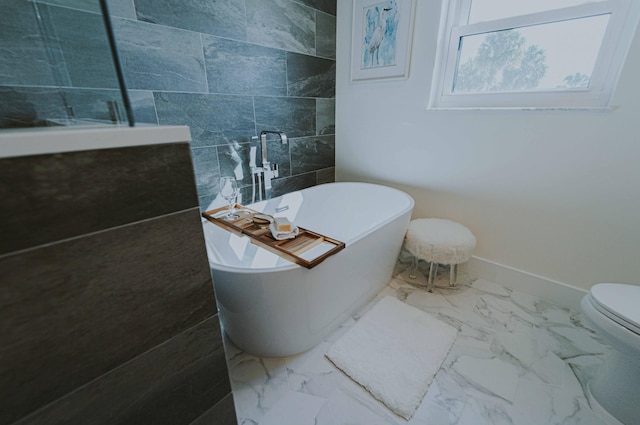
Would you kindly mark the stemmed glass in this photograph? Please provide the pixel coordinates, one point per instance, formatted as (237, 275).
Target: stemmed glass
(229, 191)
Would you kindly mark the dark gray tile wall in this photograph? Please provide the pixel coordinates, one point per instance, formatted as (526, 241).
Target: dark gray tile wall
(84, 47)
(244, 68)
(107, 313)
(266, 64)
(22, 52)
(312, 153)
(45, 47)
(285, 25)
(160, 58)
(30, 106)
(226, 68)
(328, 6)
(326, 35)
(223, 18)
(308, 76)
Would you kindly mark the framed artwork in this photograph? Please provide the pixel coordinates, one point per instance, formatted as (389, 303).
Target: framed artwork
(381, 39)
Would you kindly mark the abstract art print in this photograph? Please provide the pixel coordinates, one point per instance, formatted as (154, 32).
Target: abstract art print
(381, 39)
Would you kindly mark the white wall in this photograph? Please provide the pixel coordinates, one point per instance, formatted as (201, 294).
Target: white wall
(553, 193)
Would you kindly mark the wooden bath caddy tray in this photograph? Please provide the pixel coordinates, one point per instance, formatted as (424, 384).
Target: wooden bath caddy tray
(290, 249)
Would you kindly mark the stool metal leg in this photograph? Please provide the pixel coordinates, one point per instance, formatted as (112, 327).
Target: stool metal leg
(453, 274)
(433, 271)
(414, 268)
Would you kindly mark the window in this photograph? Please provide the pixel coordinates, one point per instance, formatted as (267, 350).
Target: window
(531, 53)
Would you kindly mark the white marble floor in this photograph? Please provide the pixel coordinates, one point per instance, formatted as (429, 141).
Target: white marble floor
(516, 360)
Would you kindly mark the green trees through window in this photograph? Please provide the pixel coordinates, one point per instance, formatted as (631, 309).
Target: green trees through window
(503, 61)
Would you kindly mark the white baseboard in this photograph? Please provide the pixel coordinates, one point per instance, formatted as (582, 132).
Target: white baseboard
(557, 293)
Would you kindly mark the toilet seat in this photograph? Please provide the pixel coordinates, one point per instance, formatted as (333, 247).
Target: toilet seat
(619, 302)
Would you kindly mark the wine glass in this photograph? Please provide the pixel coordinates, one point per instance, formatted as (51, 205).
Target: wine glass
(229, 191)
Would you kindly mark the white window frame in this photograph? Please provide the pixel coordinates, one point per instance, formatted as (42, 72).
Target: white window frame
(624, 15)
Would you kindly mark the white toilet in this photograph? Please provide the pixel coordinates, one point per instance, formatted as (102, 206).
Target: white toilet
(613, 311)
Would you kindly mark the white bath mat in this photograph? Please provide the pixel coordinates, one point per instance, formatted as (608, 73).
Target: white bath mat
(394, 351)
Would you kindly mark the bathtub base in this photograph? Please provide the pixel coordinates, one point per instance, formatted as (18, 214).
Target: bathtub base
(297, 311)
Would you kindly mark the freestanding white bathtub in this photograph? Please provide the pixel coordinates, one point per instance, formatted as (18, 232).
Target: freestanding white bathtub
(271, 307)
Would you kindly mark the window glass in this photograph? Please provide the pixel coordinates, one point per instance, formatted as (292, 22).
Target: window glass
(552, 56)
(531, 53)
(488, 10)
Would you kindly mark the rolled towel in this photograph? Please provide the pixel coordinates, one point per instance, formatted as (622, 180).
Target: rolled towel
(262, 219)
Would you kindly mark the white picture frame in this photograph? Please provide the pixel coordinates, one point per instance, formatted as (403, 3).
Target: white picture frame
(381, 39)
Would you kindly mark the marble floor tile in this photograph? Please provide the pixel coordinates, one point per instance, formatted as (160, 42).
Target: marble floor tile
(306, 411)
(517, 360)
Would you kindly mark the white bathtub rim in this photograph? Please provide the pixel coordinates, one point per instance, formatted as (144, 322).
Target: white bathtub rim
(290, 266)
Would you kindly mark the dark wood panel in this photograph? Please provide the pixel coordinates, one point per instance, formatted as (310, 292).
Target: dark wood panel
(223, 413)
(46, 198)
(172, 384)
(72, 311)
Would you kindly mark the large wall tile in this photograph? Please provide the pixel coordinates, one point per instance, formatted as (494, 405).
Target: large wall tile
(86, 5)
(213, 119)
(294, 116)
(83, 40)
(290, 184)
(72, 311)
(235, 67)
(144, 106)
(327, 175)
(122, 8)
(224, 18)
(156, 57)
(310, 76)
(283, 24)
(234, 161)
(91, 104)
(277, 153)
(52, 197)
(213, 200)
(209, 202)
(30, 106)
(174, 383)
(23, 56)
(207, 169)
(328, 6)
(312, 153)
(325, 35)
(326, 116)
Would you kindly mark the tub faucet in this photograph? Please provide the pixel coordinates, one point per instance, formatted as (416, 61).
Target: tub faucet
(269, 170)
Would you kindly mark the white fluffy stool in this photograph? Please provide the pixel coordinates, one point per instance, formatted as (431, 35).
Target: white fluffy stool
(439, 241)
